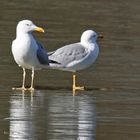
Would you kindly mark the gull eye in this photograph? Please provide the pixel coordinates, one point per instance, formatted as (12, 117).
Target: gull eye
(28, 24)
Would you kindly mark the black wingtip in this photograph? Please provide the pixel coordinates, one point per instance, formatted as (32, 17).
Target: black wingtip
(54, 62)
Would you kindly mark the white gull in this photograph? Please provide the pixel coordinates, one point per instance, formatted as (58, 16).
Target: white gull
(76, 56)
(27, 51)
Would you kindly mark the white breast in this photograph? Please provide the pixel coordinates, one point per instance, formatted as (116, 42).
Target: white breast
(24, 52)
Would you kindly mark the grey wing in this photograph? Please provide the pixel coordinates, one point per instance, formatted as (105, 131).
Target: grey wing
(69, 53)
(42, 55)
(50, 53)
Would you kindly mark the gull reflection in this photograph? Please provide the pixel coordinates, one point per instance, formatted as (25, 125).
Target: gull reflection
(72, 118)
(86, 119)
(52, 115)
(21, 117)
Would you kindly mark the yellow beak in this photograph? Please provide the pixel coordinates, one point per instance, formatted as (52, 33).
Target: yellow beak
(39, 29)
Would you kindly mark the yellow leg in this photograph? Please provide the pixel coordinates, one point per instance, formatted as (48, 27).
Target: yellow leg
(32, 81)
(23, 82)
(74, 87)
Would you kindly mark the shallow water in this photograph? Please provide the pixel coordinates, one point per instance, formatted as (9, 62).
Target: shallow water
(109, 107)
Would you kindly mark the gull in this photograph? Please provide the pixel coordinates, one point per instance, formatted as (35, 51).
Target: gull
(28, 53)
(77, 56)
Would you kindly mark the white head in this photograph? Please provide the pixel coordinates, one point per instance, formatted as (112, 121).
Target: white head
(26, 26)
(89, 36)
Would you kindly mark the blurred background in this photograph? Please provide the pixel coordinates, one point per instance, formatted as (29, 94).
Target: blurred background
(109, 108)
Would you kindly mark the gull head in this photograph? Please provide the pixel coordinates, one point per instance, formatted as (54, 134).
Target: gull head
(27, 26)
(89, 36)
